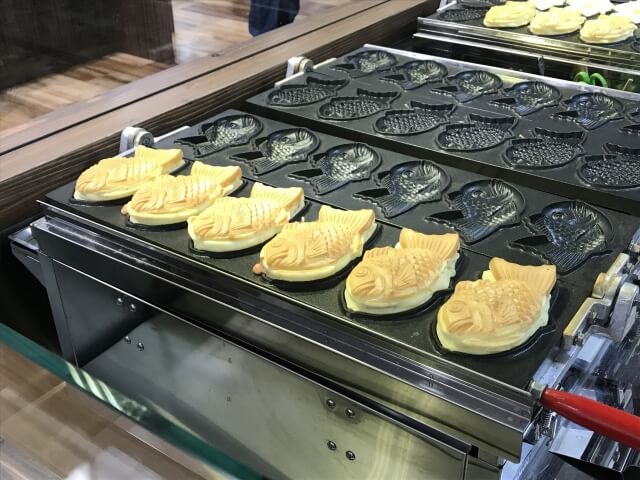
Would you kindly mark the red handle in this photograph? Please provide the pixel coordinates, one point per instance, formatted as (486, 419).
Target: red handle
(611, 422)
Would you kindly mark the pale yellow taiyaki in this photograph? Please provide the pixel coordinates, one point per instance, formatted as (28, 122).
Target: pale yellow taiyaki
(511, 14)
(306, 251)
(556, 21)
(120, 177)
(500, 311)
(607, 29)
(589, 8)
(234, 223)
(631, 10)
(168, 200)
(393, 280)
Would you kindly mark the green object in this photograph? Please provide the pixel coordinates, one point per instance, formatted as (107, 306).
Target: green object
(596, 79)
(591, 79)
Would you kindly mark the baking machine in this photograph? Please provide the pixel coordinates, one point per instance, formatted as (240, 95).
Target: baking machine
(286, 380)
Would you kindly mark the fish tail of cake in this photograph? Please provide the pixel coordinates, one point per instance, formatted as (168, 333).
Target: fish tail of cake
(287, 198)
(325, 184)
(441, 246)
(357, 221)
(540, 279)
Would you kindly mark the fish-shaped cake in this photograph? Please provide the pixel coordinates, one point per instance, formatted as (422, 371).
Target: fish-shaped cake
(510, 15)
(607, 29)
(119, 177)
(313, 91)
(367, 62)
(546, 150)
(499, 312)
(307, 251)
(590, 8)
(547, 4)
(557, 21)
(528, 97)
(236, 223)
(281, 148)
(567, 234)
(470, 84)
(619, 168)
(169, 200)
(364, 104)
(394, 280)
(225, 132)
(481, 208)
(462, 14)
(478, 133)
(417, 73)
(421, 118)
(592, 110)
(338, 166)
(631, 10)
(407, 185)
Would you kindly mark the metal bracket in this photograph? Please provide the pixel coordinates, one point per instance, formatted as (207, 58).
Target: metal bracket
(132, 137)
(298, 66)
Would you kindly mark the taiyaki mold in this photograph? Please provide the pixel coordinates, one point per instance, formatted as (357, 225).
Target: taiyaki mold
(592, 110)
(313, 91)
(364, 104)
(499, 312)
(280, 148)
(619, 168)
(462, 14)
(567, 234)
(403, 279)
(417, 73)
(366, 62)
(481, 208)
(238, 225)
(421, 118)
(636, 40)
(223, 133)
(526, 98)
(468, 85)
(547, 149)
(478, 4)
(633, 129)
(407, 185)
(112, 180)
(167, 201)
(338, 166)
(510, 15)
(478, 133)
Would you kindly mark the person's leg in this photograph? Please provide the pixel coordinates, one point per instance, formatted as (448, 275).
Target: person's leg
(266, 15)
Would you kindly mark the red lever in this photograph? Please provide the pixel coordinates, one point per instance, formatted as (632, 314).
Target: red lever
(610, 422)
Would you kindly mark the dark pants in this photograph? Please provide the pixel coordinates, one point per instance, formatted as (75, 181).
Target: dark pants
(266, 15)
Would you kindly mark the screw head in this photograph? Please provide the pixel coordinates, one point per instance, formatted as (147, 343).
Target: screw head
(127, 339)
(350, 455)
(349, 413)
(119, 301)
(331, 446)
(331, 403)
(140, 346)
(132, 307)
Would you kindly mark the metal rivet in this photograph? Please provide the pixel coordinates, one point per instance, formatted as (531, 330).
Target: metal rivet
(140, 346)
(127, 339)
(331, 445)
(119, 301)
(331, 403)
(349, 413)
(350, 455)
(132, 307)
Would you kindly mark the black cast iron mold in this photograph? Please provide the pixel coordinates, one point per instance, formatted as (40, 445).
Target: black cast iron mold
(470, 84)
(619, 168)
(592, 110)
(417, 73)
(547, 149)
(525, 98)
(421, 118)
(312, 91)
(366, 62)
(364, 104)
(478, 133)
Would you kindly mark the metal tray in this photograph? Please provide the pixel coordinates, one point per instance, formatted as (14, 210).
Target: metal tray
(563, 180)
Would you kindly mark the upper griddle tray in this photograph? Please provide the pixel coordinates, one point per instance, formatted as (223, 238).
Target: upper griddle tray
(413, 332)
(605, 130)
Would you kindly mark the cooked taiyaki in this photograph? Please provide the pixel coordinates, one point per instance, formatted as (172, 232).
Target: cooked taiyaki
(547, 4)
(120, 177)
(511, 14)
(607, 29)
(499, 312)
(631, 10)
(232, 223)
(557, 21)
(393, 280)
(589, 8)
(168, 200)
(306, 251)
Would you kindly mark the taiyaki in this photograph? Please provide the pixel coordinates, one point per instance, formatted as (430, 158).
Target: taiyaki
(393, 280)
(592, 110)
(407, 185)
(168, 200)
(547, 4)
(589, 8)
(338, 166)
(366, 62)
(237, 223)
(607, 29)
(465, 86)
(568, 234)
(280, 148)
(499, 312)
(314, 90)
(526, 98)
(120, 177)
(556, 21)
(306, 251)
(414, 74)
(631, 10)
(511, 14)
(481, 208)
(620, 168)
(225, 132)
(420, 119)
(546, 150)
(478, 133)
(364, 104)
